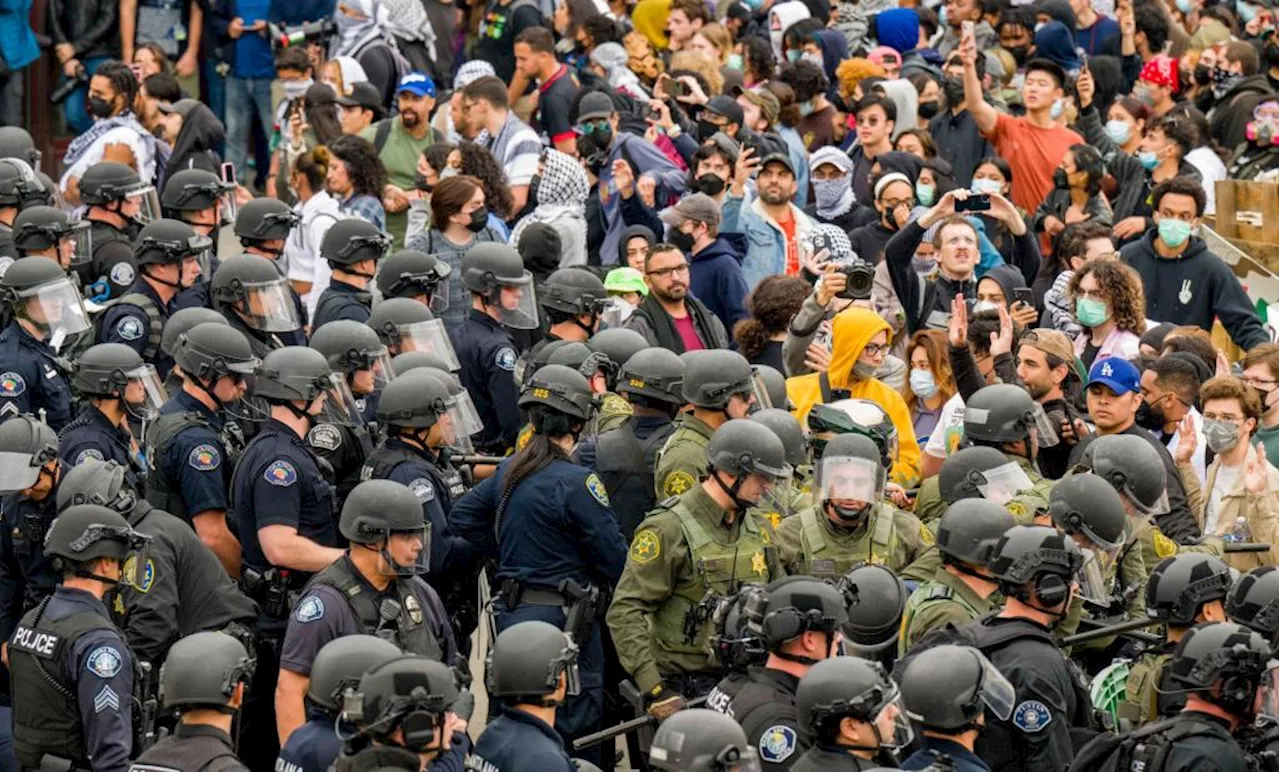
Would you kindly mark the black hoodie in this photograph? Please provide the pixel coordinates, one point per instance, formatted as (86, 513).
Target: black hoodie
(1193, 288)
(1228, 120)
(194, 149)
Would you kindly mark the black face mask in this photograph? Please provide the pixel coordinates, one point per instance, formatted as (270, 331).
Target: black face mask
(1060, 180)
(1019, 54)
(953, 90)
(706, 130)
(1149, 418)
(1203, 75)
(98, 107)
(710, 184)
(682, 240)
(928, 109)
(479, 219)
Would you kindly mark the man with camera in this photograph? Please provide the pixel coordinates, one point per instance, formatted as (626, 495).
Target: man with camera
(927, 302)
(715, 265)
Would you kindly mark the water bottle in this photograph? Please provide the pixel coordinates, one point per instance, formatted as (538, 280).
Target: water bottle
(1239, 533)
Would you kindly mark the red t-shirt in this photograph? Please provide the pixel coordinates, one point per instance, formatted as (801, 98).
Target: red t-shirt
(687, 334)
(788, 227)
(1033, 153)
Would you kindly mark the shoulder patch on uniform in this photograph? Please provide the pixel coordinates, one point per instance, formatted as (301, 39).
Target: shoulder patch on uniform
(104, 662)
(777, 743)
(11, 384)
(505, 358)
(281, 473)
(926, 536)
(1164, 546)
(204, 458)
(122, 274)
(325, 437)
(677, 483)
(423, 489)
(1031, 716)
(140, 582)
(1016, 508)
(310, 609)
(106, 699)
(129, 328)
(89, 454)
(612, 403)
(646, 547)
(597, 489)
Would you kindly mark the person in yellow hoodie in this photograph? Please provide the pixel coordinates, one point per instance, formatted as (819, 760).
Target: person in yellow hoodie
(859, 342)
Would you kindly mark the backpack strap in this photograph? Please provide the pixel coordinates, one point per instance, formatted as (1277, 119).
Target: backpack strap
(381, 130)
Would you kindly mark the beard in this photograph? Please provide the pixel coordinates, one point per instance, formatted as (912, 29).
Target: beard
(409, 118)
(671, 294)
(1036, 390)
(773, 196)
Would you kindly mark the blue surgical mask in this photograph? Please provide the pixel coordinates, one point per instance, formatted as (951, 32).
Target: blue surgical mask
(1055, 112)
(794, 55)
(735, 62)
(1118, 131)
(1148, 159)
(1245, 11)
(1184, 6)
(925, 193)
(1173, 232)
(981, 185)
(922, 384)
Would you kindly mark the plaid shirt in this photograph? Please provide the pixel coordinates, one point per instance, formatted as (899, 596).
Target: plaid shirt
(367, 208)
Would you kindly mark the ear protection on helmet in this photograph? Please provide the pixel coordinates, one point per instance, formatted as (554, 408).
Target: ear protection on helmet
(419, 729)
(1237, 693)
(1050, 589)
(790, 622)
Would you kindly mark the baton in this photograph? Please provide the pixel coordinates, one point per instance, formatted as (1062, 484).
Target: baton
(478, 460)
(1109, 630)
(630, 725)
(1245, 546)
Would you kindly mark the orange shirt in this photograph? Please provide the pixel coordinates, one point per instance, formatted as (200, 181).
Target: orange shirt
(1033, 153)
(788, 227)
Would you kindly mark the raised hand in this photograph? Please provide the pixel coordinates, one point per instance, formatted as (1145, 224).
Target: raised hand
(1186, 441)
(1256, 470)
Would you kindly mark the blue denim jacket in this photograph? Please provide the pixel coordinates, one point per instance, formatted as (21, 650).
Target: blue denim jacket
(766, 248)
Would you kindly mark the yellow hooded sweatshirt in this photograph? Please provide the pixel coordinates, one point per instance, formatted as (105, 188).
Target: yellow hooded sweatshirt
(851, 330)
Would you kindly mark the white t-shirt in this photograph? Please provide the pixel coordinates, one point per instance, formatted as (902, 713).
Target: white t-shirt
(302, 249)
(1211, 170)
(1223, 482)
(1197, 458)
(946, 435)
(143, 155)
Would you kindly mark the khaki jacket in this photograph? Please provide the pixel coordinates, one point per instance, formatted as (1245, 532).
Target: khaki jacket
(1260, 511)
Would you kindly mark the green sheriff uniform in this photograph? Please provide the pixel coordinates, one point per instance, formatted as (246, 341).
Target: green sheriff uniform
(1130, 574)
(613, 412)
(1023, 507)
(1141, 697)
(1156, 546)
(682, 550)
(942, 599)
(797, 497)
(810, 544)
(682, 462)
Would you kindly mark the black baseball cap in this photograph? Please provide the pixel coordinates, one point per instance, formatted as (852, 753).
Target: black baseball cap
(726, 107)
(364, 95)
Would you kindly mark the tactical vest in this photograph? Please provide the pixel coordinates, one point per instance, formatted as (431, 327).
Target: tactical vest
(155, 321)
(331, 304)
(929, 594)
(1147, 748)
(827, 560)
(625, 464)
(46, 715)
(83, 419)
(412, 633)
(162, 492)
(718, 568)
(184, 754)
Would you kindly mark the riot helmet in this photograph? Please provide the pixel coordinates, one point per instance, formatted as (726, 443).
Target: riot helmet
(855, 416)
(341, 662)
(183, 320)
(737, 641)
(203, 670)
(497, 274)
(98, 482)
(855, 688)
(783, 424)
(411, 360)
(41, 294)
(1223, 663)
(118, 189)
(948, 687)
(850, 478)
(354, 349)
(527, 661)
(713, 376)
(409, 693)
(563, 390)
(618, 344)
(252, 287)
(189, 191)
(1088, 509)
(16, 142)
(410, 273)
(1002, 413)
(874, 599)
(301, 374)
(653, 375)
(981, 471)
(265, 219)
(775, 384)
(1180, 585)
(40, 228)
(797, 605)
(378, 510)
(404, 324)
(968, 532)
(701, 740)
(115, 371)
(172, 242)
(27, 445)
(352, 241)
(1038, 556)
(746, 449)
(83, 533)
(414, 402)
(19, 185)
(1252, 601)
(569, 293)
(1134, 468)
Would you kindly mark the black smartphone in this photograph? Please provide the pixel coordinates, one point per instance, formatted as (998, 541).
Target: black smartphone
(980, 202)
(676, 88)
(652, 114)
(1024, 295)
(229, 173)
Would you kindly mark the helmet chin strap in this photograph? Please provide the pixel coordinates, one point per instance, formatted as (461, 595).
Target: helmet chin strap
(742, 505)
(855, 522)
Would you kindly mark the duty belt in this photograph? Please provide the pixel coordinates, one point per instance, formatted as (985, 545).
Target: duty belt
(514, 593)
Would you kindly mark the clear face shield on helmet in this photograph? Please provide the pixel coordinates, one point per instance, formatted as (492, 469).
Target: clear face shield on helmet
(893, 724)
(75, 247)
(998, 695)
(268, 307)
(615, 311)
(1003, 482)
(429, 336)
(55, 307)
(1043, 433)
(19, 471)
(760, 391)
(145, 393)
(848, 482)
(142, 205)
(339, 405)
(461, 422)
(1159, 507)
(407, 552)
(516, 304)
(136, 564)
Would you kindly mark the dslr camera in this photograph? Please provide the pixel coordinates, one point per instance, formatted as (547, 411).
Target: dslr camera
(302, 34)
(859, 274)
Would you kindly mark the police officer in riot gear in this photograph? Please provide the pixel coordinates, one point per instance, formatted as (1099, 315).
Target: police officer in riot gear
(416, 275)
(170, 256)
(738, 642)
(980, 471)
(1004, 417)
(720, 385)
(1253, 601)
(962, 588)
(284, 508)
(411, 712)
(794, 498)
(43, 231)
(548, 524)
(532, 669)
(1036, 567)
(612, 349)
(691, 549)
(19, 188)
(571, 300)
(1219, 667)
(202, 200)
(254, 298)
(775, 383)
(119, 205)
(698, 740)
(850, 521)
(397, 320)
(625, 457)
(353, 249)
(176, 326)
(374, 588)
(71, 673)
(875, 599)
(855, 714)
(181, 590)
(115, 386)
(354, 350)
(263, 226)
(502, 296)
(338, 666)
(29, 478)
(1182, 591)
(44, 309)
(193, 445)
(801, 625)
(949, 690)
(204, 679)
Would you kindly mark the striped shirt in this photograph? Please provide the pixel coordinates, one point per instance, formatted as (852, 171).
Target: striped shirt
(517, 148)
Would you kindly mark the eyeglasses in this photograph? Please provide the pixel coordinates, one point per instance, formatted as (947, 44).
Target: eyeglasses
(876, 349)
(663, 273)
(1261, 383)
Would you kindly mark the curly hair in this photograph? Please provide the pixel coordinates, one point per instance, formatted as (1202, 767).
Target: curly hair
(1231, 387)
(364, 168)
(122, 81)
(760, 63)
(700, 64)
(934, 343)
(851, 72)
(478, 162)
(1121, 287)
(805, 78)
(775, 300)
(437, 155)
